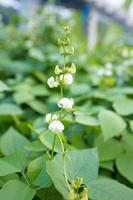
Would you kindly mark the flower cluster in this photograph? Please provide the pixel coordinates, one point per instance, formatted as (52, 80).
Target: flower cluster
(63, 76)
(55, 125)
(78, 190)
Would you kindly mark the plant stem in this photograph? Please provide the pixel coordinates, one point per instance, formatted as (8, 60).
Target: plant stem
(61, 91)
(52, 153)
(64, 61)
(64, 166)
(25, 178)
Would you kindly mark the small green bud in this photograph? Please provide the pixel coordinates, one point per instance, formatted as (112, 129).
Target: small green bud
(78, 190)
(66, 29)
(73, 68)
(58, 70)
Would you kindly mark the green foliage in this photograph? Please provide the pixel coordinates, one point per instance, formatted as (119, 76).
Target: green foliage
(12, 163)
(14, 189)
(94, 153)
(12, 141)
(111, 124)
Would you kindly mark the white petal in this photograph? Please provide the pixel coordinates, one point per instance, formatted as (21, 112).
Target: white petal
(56, 126)
(48, 117)
(51, 82)
(66, 103)
(54, 117)
(68, 79)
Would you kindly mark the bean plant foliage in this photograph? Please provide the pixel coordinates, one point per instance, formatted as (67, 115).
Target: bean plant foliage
(66, 131)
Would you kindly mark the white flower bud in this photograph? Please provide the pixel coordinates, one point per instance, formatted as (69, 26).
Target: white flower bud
(66, 78)
(56, 126)
(58, 70)
(66, 103)
(49, 117)
(108, 72)
(108, 65)
(51, 82)
(100, 72)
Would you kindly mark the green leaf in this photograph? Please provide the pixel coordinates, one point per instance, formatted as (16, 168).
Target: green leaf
(124, 106)
(37, 172)
(10, 109)
(127, 141)
(37, 54)
(14, 190)
(111, 124)
(86, 120)
(83, 164)
(106, 189)
(3, 87)
(12, 141)
(38, 106)
(107, 165)
(109, 150)
(4, 179)
(23, 96)
(47, 139)
(40, 90)
(49, 194)
(35, 146)
(12, 163)
(124, 164)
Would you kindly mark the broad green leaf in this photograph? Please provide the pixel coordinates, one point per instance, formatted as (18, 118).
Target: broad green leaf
(4, 179)
(12, 163)
(23, 96)
(86, 120)
(124, 164)
(107, 189)
(10, 109)
(11, 141)
(124, 106)
(38, 106)
(83, 164)
(37, 172)
(47, 139)
(15, 189)
(131, 124)
(107, 165)
(37, 54)
(111, 124)
(49, 194)
(109, 150)
(127, 141)
(3, 87)
(40, 90)
(35, 146)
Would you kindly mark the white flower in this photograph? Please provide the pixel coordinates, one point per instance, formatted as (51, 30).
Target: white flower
(49, 117)
(51, 82)
(66, 78)
(56, 126)
(108, 72)
(100, 72)
(66, 103)
(108, 65)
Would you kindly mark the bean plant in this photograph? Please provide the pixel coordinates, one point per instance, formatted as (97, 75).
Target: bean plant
(43, 162)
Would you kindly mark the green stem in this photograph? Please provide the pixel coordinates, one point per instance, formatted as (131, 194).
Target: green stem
(64, 166)
(25, 178)
(64, 60)
(52, 153)
(61, 91)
